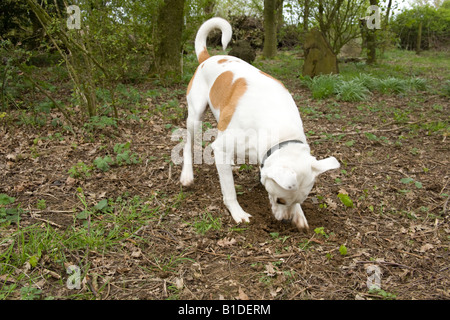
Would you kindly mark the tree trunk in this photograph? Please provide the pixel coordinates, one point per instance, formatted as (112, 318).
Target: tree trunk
(279, 14)
(371, 41)
(371, 47)
(386, 27)
(209, 7)
(388, 12)
(419, 38)
(270, 29)
(168, 37)
(306, 16)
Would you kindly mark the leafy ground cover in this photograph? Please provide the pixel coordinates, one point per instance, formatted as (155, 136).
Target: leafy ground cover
(102, 203)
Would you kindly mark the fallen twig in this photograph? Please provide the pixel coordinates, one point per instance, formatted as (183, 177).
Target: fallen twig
(394, 264)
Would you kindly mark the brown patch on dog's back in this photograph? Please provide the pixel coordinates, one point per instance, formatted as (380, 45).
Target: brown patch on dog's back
(203, 55)
(222, 60)
(225, 94)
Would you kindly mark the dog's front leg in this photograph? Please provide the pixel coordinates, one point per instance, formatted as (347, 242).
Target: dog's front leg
(298, 217)
(223, 165)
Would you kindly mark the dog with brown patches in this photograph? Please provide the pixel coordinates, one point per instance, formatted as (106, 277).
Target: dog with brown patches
(257, 115)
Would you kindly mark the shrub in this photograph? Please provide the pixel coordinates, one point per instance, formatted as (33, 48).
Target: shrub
(352, 90)
(435, 31)
(368, 81)
(361, 87)
(419, 84)
(392, 85)
(323, 86)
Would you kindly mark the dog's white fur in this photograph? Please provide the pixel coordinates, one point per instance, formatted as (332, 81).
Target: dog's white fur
(265, 105)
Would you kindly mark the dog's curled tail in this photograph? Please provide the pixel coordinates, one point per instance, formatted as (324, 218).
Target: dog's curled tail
(202, 34)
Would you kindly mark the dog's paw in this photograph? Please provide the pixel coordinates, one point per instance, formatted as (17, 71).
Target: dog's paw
(240, 215)
(187, 177)
(298, 218)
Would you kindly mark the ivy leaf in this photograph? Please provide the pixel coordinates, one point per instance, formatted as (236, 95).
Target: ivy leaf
(5, 199)
(406, 180)
(343, 250)
(101, 205)
(371, 136)
(83, 215)
(345, 199)
(13, 214)
(350, 143)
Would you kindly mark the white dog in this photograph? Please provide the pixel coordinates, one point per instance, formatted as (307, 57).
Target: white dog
(257, 110)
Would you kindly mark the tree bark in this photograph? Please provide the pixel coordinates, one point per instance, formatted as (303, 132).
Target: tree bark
(270, 29)
(388, 12)
(168, 36)
(279, 14)
(371, 41)
(306, 16)
(386, 28)
(419, 38)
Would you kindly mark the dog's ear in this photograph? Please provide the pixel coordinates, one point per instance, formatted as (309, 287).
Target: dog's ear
(284, 177)
(320, 166)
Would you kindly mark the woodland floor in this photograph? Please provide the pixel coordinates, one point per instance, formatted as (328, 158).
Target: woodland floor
(147, 243)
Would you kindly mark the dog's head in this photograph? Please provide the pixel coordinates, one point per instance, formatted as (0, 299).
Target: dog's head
(289, 184)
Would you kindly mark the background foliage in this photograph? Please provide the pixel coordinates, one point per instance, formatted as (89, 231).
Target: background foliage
(117, 43)
(436, 26)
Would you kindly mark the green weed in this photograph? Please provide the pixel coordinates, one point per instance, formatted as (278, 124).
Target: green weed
(321, 231)
(41, 204)
(30, 293)
(170, 263)
(383, 294)
(124, 156)
(79, 170)
(305, 245)
(9, 213)
(206, 222)
(100, 122)
(103, 163)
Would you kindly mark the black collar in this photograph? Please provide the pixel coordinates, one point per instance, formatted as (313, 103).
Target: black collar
(277, 147)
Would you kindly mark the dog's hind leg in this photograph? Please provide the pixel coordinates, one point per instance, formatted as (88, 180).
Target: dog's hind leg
(194, 127)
